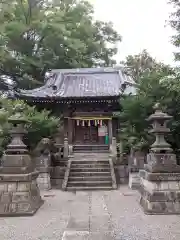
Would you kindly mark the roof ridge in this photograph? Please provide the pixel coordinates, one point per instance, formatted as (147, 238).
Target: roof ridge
(85, 70)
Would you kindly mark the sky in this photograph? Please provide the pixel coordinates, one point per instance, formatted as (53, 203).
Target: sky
(142, 25)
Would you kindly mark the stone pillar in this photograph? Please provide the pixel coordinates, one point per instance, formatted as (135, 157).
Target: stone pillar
(121, 155)
(43, 165)
(110, 131)
(122, 173)
(70, 131)
(66, 149)
(160, 180)
(19, 192)
(136, 162)
(113, 150)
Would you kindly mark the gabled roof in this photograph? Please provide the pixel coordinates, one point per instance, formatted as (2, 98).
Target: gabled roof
(84, 82)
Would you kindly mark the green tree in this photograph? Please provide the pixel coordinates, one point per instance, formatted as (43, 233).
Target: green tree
(40, 123)
(37, 35)
(143, 64)
(136, 109)
(152, 87)
(175, 24)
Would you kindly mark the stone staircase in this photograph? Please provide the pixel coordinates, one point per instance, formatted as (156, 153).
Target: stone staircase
(89, 171)
(91, 148)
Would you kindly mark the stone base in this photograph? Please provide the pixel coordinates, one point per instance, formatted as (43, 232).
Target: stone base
(44, 181)
(160, 197)
(160, 208)
(134, 181)
(19, 198)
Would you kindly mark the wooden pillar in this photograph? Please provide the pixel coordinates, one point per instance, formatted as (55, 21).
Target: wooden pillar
(110, 130)
(70, 130)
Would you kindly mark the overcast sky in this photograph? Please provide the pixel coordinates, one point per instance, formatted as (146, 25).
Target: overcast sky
(142, 25)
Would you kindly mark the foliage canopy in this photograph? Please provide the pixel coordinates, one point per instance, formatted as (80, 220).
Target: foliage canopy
(37, 35)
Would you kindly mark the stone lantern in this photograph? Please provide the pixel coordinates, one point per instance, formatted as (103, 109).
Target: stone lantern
(18, 188)
(160, 179)
(160, 158)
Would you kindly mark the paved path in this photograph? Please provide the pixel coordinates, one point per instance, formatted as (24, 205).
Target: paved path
(113, 215)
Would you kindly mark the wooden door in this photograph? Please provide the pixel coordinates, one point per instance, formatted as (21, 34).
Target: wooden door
(94, 134)
(86, 135)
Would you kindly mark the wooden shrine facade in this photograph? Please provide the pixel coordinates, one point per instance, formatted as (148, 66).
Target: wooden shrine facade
(87, 100)
(93, 127)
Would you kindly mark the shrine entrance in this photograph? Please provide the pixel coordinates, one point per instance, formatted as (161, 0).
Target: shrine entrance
(90, 131)
(86, 135)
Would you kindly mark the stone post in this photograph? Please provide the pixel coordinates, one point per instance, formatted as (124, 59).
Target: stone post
(66, 149)
(160, 180)
(113, 150)
(70, 130)
(19, 192)
(43, 165)
(136, 163)
(110, 131)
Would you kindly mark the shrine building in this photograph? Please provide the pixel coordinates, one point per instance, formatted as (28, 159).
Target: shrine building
(86, 99)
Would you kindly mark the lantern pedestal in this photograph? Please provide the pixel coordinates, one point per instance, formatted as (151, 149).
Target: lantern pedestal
(160, 187)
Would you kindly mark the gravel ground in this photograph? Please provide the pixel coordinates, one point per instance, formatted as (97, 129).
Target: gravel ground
(113, 215)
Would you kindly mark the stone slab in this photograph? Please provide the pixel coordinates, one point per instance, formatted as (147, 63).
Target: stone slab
(19, 198)
(19, 210)
(103, 235)
(18, 177)
(160, 208)
(78, 225)
(17, 170)
(163, 168)
(75, 235)
(160, 196)
(159, 176)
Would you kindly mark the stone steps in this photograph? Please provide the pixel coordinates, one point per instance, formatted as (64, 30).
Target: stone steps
(90, 165)
(81, 188)
(95, 174)
(87, 161)
(91, 148)
(90, 183)
(90, 154)
(90, 178)
(90, 169)
(85, 173)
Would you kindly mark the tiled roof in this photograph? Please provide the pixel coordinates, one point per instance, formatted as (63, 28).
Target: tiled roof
(72, 83)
